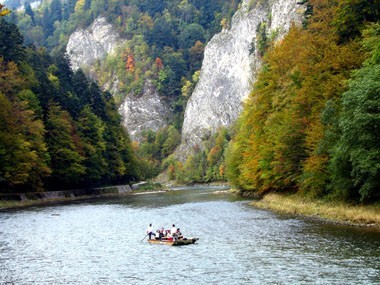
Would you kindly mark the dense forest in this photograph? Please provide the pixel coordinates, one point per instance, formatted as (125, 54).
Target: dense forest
(57, 128)
(165, 44)
(311, 124)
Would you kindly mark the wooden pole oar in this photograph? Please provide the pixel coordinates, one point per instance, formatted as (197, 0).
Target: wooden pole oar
(145, 237)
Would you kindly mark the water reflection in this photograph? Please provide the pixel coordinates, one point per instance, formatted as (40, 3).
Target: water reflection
(99, 242)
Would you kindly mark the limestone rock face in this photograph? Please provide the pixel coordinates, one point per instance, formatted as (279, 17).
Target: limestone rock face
(148, 112)
(229, 69)
(87, 46)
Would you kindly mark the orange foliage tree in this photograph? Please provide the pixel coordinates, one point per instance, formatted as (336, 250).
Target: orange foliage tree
(159, 63)
(130, 64)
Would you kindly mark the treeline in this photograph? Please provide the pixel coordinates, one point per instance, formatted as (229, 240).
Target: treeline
(155, 147)
(57, 128)
(311, 124)
(202, 166)
(205, 164)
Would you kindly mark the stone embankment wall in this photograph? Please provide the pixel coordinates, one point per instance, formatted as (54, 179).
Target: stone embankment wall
(67, 194)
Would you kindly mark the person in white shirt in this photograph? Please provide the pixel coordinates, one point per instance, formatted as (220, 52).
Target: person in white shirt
(149, 231)
(173, 232)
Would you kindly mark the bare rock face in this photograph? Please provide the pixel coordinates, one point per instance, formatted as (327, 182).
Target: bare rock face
(229, 69)
(148, 112)
(87, 46)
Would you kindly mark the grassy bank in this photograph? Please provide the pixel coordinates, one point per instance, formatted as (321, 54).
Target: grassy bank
(333, 212)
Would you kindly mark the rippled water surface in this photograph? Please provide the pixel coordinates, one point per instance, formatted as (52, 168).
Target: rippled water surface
(100, 242)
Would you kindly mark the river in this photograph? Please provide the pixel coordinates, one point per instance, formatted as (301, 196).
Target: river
(101, 242)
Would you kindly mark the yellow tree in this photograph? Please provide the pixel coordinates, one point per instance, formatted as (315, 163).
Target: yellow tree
(23, 152)
(3, 11)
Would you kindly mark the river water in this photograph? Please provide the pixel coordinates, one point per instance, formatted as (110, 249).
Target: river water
(101, 242)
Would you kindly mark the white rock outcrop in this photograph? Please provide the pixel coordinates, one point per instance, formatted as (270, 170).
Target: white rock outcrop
(148, 112)
(229, 68)
(86, 46)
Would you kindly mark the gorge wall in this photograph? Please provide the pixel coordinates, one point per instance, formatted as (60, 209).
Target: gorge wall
(148, 112)
(88, 46)
(231, 62)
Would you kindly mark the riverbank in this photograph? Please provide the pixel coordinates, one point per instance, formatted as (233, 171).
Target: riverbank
(24, 200)
(340, 213)
(21, 200)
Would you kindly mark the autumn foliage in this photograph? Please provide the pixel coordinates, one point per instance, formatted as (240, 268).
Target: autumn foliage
(57, 128)
(3, 11)
(286, 135)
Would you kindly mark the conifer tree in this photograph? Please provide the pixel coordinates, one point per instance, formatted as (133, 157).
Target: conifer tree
(91, 130)
(65, 148)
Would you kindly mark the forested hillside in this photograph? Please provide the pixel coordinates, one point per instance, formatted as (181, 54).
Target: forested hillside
(57, 128)
(311, 125)
(165, 45)
(165, 39)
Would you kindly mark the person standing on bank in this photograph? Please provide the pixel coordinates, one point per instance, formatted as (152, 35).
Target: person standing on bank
(149, 231)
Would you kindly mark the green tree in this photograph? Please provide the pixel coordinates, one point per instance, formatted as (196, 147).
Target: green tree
(233, 162)
(11, 42)
(196, 56)
(352, 15)
(119, 154)
(190, 35)
(91, 130)
(55, 11)
(172, 141)
(187, 11)
(29, 11)
(356, 158)
(65, 148)
(47, 22)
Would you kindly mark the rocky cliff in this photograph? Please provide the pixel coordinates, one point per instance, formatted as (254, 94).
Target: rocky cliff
(231, 61)
(147, 112)
(86, 46)
(89, 46)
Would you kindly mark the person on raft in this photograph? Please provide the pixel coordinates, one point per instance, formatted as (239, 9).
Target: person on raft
(173, 231)
(149, 231)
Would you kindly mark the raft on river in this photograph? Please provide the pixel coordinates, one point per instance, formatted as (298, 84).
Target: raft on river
(182, 241)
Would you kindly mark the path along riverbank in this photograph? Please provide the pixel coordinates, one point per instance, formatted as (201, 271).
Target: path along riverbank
(334, 212)
(22, 200)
